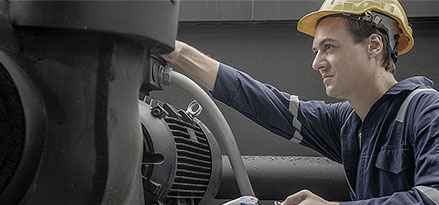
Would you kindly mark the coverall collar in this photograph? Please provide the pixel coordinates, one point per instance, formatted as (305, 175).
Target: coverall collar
(410, 84)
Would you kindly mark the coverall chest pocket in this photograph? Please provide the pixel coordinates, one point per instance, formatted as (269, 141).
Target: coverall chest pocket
(395, 158)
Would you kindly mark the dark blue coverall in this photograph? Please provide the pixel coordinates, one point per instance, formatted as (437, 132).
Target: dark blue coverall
(386, 160)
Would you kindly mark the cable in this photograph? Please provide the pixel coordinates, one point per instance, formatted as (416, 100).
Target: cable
(220, 123)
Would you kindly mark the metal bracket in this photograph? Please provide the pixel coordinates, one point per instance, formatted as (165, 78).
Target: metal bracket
(190, 109)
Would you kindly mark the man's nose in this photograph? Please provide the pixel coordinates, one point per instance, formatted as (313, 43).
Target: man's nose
(319, 62)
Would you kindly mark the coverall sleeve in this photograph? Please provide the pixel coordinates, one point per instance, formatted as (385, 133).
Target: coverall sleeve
(313, 123)
(423, 121)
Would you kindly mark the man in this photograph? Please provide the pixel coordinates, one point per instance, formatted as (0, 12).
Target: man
(385, 133)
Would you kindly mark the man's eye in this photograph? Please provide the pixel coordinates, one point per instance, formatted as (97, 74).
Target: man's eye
(328, 46)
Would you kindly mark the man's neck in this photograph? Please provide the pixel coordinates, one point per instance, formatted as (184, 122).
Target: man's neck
(368, 95)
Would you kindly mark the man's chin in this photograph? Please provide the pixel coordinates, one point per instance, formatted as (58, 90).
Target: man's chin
(330, 93)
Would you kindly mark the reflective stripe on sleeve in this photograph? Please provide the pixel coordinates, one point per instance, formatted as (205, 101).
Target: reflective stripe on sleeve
(294, 105)
(297, 125)
(297, 138)
(294, 109)
(405, 104)
(431, 193)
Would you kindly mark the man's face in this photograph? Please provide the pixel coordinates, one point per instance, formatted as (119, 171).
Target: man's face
(342, 63)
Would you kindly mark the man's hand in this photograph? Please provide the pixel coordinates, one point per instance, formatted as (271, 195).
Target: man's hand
(197, 65)
(173, 56)
(306, 197)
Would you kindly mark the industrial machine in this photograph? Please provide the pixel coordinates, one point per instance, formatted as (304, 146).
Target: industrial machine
(71, 72)
(78, 125)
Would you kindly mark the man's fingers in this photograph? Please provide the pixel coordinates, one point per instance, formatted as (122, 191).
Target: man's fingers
(306, 197)
(297, 198)
(172, 56)
(166, 57)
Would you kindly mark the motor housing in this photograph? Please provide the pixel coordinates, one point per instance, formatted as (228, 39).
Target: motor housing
(182, 161)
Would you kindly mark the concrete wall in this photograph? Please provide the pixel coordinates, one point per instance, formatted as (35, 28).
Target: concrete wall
(275, 53)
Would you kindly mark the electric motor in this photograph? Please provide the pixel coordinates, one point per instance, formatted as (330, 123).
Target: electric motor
(182, 161)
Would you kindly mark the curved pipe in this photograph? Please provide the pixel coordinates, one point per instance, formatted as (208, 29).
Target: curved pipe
(220, 124)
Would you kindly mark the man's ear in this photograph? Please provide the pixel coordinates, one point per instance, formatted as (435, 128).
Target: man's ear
(374, 45)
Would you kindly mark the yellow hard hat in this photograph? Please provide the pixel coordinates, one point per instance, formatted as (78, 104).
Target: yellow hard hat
(391, 8)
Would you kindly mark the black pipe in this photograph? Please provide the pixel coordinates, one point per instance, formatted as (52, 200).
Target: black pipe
(276, 177)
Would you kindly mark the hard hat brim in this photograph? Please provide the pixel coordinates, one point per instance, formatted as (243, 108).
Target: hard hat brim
(308, 23)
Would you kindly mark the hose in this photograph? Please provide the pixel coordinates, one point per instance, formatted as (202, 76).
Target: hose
(220, 123)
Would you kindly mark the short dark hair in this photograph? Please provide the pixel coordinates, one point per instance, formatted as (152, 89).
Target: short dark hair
(361, 30)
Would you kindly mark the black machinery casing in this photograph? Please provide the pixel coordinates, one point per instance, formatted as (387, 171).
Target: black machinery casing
(154, 22)
(73, 71)
(190, 168)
